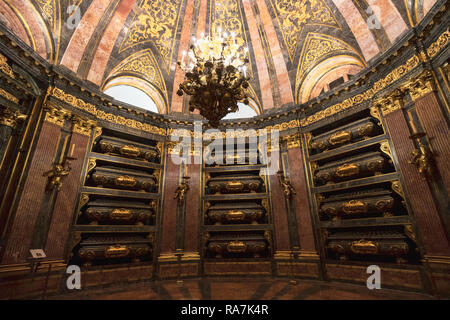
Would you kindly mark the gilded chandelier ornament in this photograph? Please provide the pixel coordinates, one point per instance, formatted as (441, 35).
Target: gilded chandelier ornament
(216, 76)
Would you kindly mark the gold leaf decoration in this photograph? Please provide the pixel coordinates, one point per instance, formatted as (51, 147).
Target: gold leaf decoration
(155, 21)
(316, 47)
(293, 15)
(227, 16)
(5, 68)
(143, 64)
(47, 8)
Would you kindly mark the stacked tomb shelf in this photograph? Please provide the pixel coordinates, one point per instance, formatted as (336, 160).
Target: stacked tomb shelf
(357, 190)
(116, 219)
(236, 223)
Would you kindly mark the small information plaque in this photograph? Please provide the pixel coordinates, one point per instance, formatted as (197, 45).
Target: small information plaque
(37, 253)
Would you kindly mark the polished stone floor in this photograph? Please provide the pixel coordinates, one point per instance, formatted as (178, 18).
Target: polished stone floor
(240, 289)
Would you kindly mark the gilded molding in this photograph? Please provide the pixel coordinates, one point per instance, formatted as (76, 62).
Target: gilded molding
(439, 44)
(100, 114)
(5, 68)
(8, 96)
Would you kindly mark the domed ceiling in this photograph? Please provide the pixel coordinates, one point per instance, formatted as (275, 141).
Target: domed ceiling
(298, 49)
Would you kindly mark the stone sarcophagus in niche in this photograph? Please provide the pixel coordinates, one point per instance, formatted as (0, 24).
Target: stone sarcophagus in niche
(361, 129)
(237, 244)
(358, 204)
(386, 243)
(124, 148)
(235, 213)
(112, 212)
(128, 179)
(235, 183)
(364, 165)
(111, 247)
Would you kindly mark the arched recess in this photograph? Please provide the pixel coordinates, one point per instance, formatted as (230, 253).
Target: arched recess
(245, 111)
(142, 85)
(326, 68)
(141, 70)
(22, 16)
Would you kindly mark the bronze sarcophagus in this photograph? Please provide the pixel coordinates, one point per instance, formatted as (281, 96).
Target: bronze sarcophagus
(128, 179)
(103, 247)
(349, 133)
(119, 212)
(360, 166)
(390, 243)
(358, 204)
(234, 244)
(123, 148)
(233, 183)
(232, 213)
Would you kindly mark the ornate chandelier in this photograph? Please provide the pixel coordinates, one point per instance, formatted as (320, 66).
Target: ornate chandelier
(216, 76)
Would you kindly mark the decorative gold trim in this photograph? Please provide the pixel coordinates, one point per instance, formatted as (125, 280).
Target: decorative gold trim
(376, 114)
(8, 96)
(439, 44)
(5, 68)
(409, 231)
(91, 164)
(100, 114)
(397, 187)
(97, 133)
(384, 147)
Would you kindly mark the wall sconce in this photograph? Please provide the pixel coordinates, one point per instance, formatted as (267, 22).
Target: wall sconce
(423, 157)
(181, 190)
(285, 183)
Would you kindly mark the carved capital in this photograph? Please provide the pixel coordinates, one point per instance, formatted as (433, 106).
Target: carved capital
(54, 114)
(391, 103)
(421, 86)
(82, 126)
(292, 140)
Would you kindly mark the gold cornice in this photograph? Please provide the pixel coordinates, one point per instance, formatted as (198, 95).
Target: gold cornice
(5, 68)
(100, 114)
(439, 44)
(8, 96)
